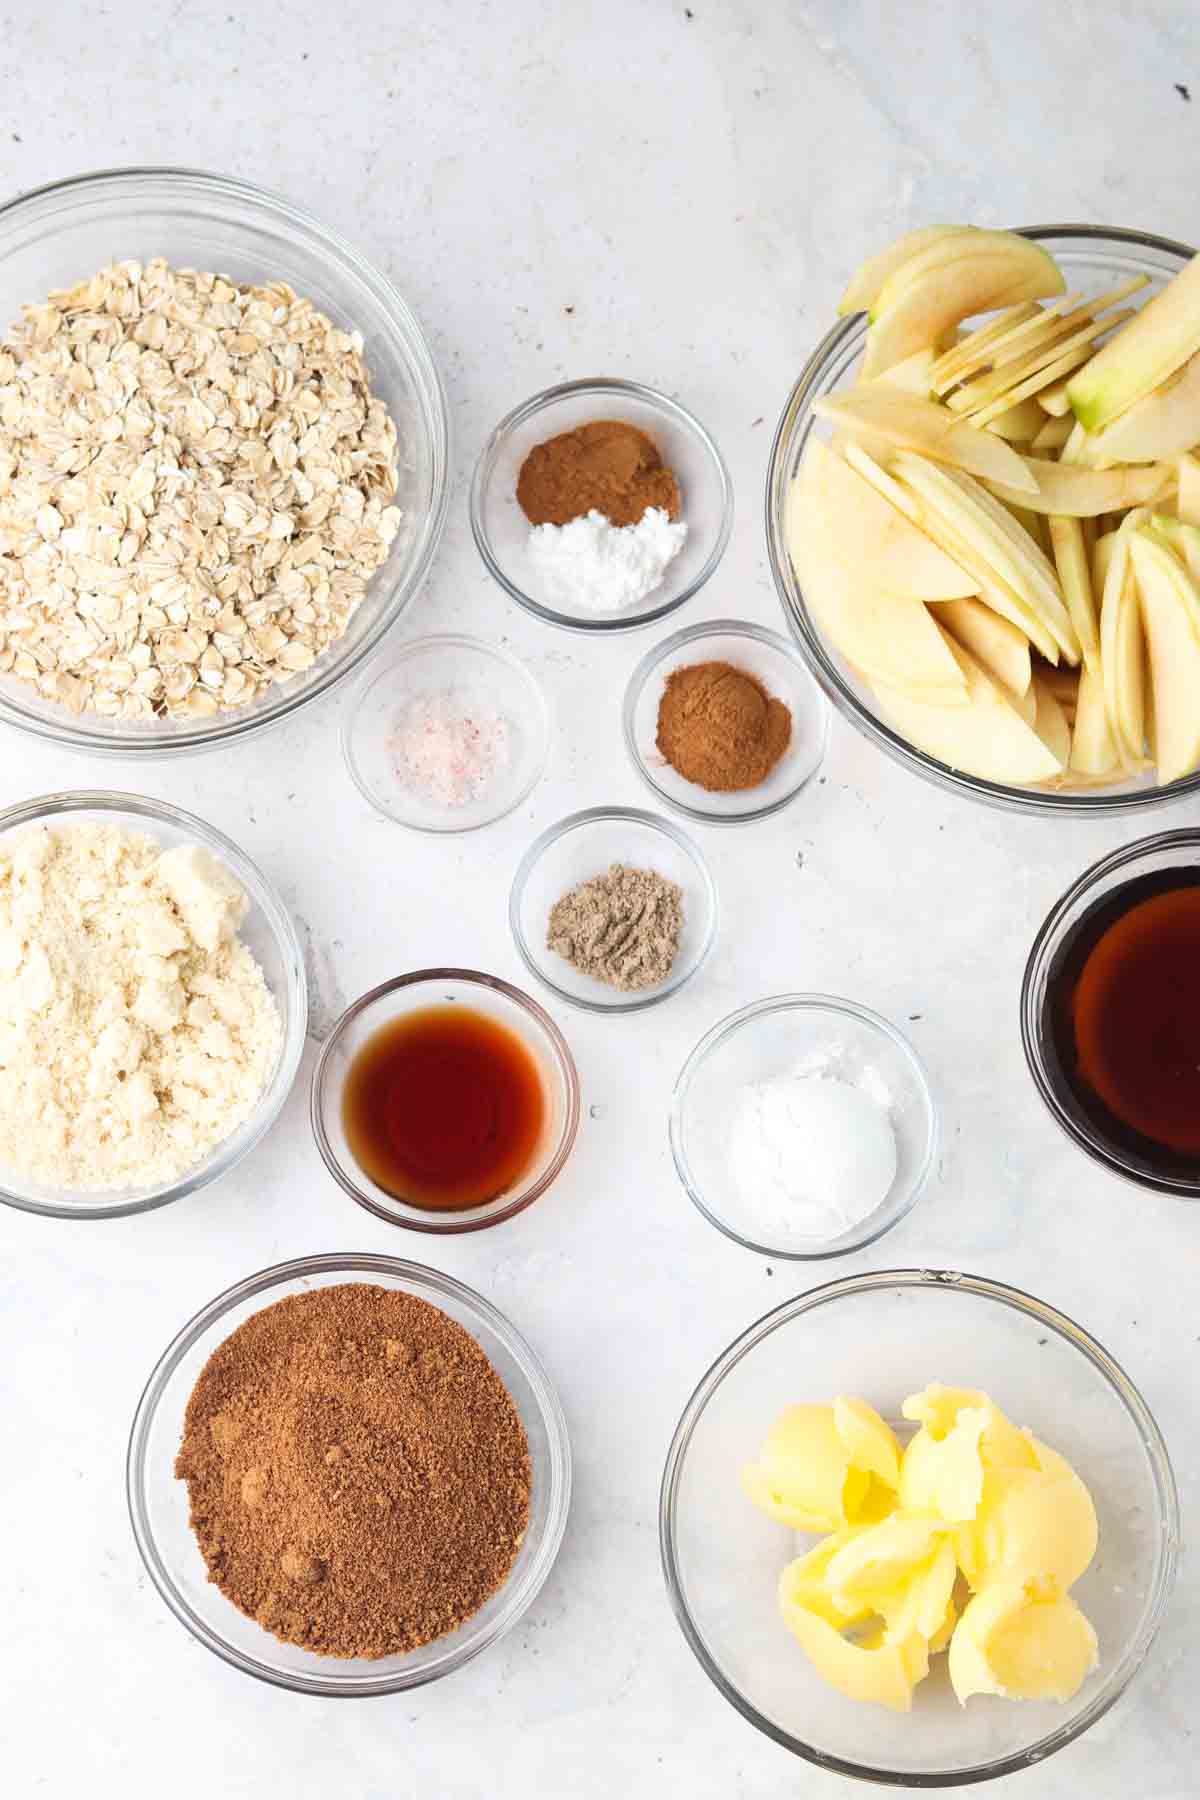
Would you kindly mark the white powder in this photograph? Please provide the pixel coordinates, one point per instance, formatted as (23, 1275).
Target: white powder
(601, 567)
(812, 1154)
(136, 1029)
(449, 748)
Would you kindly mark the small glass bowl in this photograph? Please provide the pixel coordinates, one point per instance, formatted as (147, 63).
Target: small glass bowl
(882, 1336)
(502, 531)
(509, 1007)
(269, 933)
(483, 675)
(1169, 850)
(158, 1502)
(781, 670)
(587, 844)
(769, 1039)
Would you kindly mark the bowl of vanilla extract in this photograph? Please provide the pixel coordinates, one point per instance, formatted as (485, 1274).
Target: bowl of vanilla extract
(1110, 1012)
(445, 1100)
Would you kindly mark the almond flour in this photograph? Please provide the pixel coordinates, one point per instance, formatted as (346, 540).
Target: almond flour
(137, 1031)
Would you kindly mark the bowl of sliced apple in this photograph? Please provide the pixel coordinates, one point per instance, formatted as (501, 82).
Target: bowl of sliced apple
(983, 513)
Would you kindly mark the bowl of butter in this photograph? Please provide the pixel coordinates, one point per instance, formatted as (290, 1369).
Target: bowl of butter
(919, 1527)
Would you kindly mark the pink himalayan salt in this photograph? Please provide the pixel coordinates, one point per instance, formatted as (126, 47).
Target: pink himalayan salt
(448, 749)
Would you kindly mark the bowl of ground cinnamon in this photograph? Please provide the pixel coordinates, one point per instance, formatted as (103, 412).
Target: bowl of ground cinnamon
(349, 1475)
(724, 723)
(601, 505)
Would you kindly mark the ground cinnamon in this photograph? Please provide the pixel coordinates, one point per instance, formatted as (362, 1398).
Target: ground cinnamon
(358, 1474)
(608, 466)
(719, 727)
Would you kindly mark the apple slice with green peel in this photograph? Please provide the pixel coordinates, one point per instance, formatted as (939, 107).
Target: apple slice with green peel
(1075, 579)
(1068, 357)
(1053, 433)
(999, 646)
(971, 512)
(1164, 424)
(1170, 605)
(1037, 327)
(988, 737)
(906, 422)
(870, 276)
(1017, 424)
(1165, 333)
(970, 350)
(1187, 503)
(1085, 493)
(854, 523)
(951, 280)
(1047, 355)
(1093, 749)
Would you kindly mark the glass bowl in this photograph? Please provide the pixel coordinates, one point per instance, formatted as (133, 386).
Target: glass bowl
(587, 844)
(60, 234)
(501, 529)
(882, 1336)
(1169, 850)
(483, 676)
(158, 1503)
(780, 669)
(486, 994)
(268, 931)
(771, 1038)
(1091, 259)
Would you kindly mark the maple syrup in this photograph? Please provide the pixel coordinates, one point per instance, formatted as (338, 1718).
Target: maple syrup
(1123, 1001)
(444, 1108)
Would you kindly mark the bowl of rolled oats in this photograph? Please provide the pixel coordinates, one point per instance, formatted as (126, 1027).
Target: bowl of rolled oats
(223, 460)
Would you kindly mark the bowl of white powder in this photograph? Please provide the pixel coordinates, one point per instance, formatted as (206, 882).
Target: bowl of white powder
(586, 575)
(803, 1126)
(153, 1005)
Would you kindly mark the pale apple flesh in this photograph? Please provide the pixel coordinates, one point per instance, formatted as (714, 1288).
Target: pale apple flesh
(1164, 334)
(1170, 605)
(907, 422)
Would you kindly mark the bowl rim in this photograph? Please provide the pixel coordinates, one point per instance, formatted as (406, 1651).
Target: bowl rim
(695, 634)
(387, 661)
(595, 815)
(140, 811)
(430, 1284)
(433, 417)
(528, 409)
(731, 1024)
(1049, 1317)
(811, 643)
(1037, 964)
(448, 1224)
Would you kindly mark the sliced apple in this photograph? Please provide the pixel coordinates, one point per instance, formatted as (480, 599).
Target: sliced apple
(972, 350)
(1040, 367)
(906, 422)
(953, 279)
(1182, 538)
(1061, 487)
(1102, 551)
(998, 645)
(1037, 328)
(1165, 333)
(1054, 400)
(1050, 723)
(1074, 574)
(1093, 748)
(1188, 500)
(870, 276)
(1122, 657)
(1053, 434)
(912, 375)
(1170, 606)
(988, 737)
(855, 524)
(1018, 424)
(1164, 424)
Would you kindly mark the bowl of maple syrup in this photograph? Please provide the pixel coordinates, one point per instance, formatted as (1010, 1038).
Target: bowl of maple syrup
(445, 1100)
(1110, 1012)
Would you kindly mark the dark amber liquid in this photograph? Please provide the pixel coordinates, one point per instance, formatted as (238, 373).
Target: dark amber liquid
(444, 1108)
(1125, 1018)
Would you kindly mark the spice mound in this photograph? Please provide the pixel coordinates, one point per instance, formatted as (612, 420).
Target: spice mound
(621, 928)
(449, 749)
(720, 728)
(137, 1031)
(604, 512)
(358, 1474)
(194, 491)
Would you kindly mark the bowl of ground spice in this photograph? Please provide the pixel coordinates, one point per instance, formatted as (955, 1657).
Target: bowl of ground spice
(613, 909)
(348, 1475)
(724, 723)
(601, 505)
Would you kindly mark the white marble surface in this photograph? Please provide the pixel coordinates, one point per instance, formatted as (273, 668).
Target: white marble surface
(675, 195)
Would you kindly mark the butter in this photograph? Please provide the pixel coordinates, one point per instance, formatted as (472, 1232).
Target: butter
(968, 1540)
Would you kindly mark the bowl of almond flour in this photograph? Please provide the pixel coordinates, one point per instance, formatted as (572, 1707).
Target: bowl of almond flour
(223, 460)
(153, 1005)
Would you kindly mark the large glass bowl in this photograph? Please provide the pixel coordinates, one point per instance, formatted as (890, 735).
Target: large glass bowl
(58, 235)
(269, 932)
(882, 1336)
(1091, 259)
(158, 1503)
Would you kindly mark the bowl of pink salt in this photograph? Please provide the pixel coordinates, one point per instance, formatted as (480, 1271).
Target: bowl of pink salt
(446, 734)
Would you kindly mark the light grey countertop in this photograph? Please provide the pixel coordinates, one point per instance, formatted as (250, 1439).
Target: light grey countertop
(674, 194)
